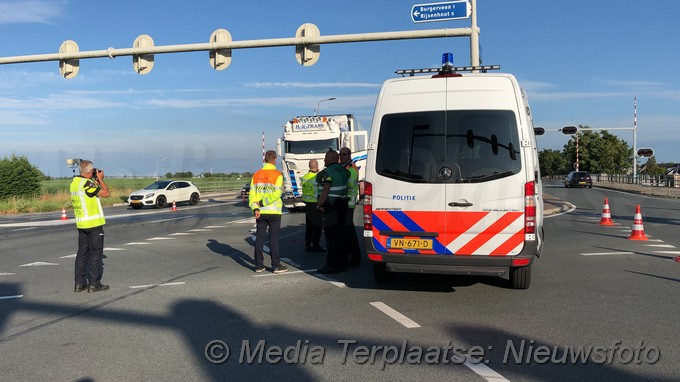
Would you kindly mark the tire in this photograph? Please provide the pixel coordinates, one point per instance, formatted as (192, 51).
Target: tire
(381, 274)
(136, 206)
(193, 200)
(160, 201)
(520, 278)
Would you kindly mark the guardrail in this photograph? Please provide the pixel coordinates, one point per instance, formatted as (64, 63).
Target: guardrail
(672, 181)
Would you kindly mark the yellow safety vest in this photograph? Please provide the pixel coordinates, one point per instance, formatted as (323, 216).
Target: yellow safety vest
(352, 187)
(86, 204)
(309, 188)
(266, 188)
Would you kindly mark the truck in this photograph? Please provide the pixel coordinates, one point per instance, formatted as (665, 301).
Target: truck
(310, 137)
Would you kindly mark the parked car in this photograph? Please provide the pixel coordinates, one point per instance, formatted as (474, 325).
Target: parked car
(245, 191)
(163, 192)
(578, 179)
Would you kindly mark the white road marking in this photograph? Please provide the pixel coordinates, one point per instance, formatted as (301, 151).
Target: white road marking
(161, 238)
(330, 280)
(660, 245)
(199, 230)
(136, 243)
(607, 253)
(400, 318)
(152, 285)
(216, 226)
(167, 220)
(668, 252)
(7, 274)
(10, 297)
(37, 264)
(484, 371)
(278, 274)
(68, 256)
(181, 234)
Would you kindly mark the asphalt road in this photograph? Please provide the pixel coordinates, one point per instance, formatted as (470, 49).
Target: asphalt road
(182, 286)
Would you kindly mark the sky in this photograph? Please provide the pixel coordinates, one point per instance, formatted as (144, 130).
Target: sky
(581, 62)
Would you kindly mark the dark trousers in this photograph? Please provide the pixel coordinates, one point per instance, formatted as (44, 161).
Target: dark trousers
(273, 221)
(334, 232)
(351, 238)
(312, 225)
(89, 267)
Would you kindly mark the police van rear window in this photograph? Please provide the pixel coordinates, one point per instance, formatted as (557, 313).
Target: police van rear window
(459, 146)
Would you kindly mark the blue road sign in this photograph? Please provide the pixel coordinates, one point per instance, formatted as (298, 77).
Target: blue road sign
(447, 10)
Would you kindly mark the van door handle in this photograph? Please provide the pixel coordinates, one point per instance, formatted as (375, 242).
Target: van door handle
(460, 204)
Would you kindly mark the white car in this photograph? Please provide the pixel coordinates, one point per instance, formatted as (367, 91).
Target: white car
(164, 192)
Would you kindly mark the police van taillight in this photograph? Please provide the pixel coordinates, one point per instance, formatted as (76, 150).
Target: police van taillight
(530, 207)
(368, 206)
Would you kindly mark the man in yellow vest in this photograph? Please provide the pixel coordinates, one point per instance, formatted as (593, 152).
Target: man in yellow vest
(313, 217)
(86, 189)
(264, 200)
(353, 249)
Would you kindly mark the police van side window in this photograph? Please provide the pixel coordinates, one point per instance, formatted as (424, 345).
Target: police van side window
(411, 146)
(483, 144)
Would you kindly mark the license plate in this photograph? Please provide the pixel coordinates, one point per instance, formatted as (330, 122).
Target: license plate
(400, 243)
(136, 201)
(581, 182)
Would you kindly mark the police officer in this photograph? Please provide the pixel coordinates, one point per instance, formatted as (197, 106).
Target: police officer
(332, 203)
(86, 189)
(265, 202)
(312, 214)
(353, 249)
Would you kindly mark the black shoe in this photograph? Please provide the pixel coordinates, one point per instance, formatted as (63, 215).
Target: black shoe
(97, 288)
(319, 249)
(280, 269)
(79, 288)
(327, 270)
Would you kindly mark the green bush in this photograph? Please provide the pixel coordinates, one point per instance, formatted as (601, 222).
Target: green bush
(19, 178)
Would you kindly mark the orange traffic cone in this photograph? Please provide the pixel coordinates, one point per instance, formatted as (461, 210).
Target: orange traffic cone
(174, 206)
(677, 259)
(638, 232)
(63, 214)
(606, 216)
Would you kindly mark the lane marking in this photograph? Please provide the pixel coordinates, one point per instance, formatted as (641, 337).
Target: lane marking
(166, 220)
(216, 226)
(37, 264)
(278, 274)
(114, 249)
(136, 243)
(660, 245)
(607, 253)
(181, 234)
(10, 297)
(199, 230)
(7, 274)
(400, 318)
(330, 280)
(161, 238)
(153, 285)
(668, 252)
(483, 370)
(68, 256)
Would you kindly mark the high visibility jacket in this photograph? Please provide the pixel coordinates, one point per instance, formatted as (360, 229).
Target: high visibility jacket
(266, 188)
(337, 176)
(310, 190)
(352, 185)
(86, 205)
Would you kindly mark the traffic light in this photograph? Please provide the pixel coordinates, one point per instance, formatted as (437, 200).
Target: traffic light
(645, 153)
(569, 130)
(538, 130)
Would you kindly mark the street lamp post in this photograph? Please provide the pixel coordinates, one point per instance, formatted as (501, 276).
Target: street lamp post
(157, 162)
(316, 112)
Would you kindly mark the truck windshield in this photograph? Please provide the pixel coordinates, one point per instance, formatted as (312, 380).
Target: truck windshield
(311, 147)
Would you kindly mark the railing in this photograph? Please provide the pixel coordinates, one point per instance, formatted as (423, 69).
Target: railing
(640, 179)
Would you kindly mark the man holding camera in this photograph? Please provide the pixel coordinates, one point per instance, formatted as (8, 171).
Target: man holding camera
(86, 189)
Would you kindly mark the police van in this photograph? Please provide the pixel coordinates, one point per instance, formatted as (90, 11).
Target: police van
(452, 180)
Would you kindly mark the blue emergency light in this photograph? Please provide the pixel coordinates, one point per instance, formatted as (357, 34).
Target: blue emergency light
(447, 59)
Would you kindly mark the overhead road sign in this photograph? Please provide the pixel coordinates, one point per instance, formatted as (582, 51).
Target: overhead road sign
(447, 10)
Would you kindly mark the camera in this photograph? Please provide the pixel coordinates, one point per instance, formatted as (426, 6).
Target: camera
(94, 172)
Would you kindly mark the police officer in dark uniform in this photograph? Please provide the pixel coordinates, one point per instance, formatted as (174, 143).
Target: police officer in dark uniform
(333, 204)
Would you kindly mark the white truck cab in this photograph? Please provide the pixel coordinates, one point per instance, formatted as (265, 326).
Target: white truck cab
(452, 179)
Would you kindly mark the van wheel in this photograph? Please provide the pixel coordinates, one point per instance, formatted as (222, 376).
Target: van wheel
(381, 274)
(520, 278)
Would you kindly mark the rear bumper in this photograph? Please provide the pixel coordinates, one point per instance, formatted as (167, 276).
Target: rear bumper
(290, 201)
(452, 264)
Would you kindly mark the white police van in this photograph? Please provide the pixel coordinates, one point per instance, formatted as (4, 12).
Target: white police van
(452, 180)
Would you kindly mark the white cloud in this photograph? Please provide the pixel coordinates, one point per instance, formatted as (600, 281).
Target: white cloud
(15, 12)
